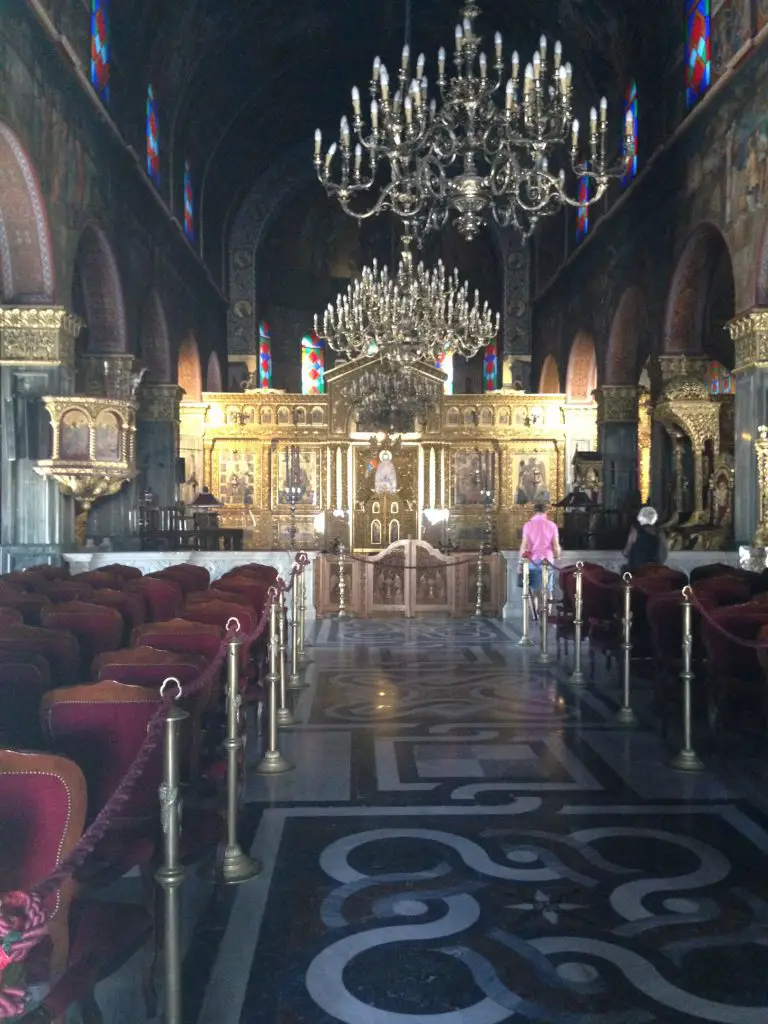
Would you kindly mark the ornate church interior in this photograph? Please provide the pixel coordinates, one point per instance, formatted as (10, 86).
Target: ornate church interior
(383, 511)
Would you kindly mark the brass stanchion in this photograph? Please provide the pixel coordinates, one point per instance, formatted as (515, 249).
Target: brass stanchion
(171, 874)
(479, 584)
(687, 760)
(577, 676)
(294, 682)
(273, 762)
(525, 640)
(544, 656)
(237, 865)
(343, 613)
(284, 713)
(302, 616)
(625, 715)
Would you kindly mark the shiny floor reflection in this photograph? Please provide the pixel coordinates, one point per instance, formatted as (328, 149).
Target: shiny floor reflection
(468, 839)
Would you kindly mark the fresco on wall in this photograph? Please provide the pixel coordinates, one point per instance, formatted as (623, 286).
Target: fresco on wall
(731, 30)
(747, 179)
(761, 13)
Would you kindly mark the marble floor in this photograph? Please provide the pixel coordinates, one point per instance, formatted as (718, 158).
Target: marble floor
(467, 838)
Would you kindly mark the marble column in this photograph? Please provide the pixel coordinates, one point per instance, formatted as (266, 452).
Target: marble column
(617, 441)
(157, 442)
(37, 346)
(750, 338)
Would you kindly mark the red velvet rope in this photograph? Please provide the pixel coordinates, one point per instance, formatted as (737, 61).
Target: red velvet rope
(22, 915)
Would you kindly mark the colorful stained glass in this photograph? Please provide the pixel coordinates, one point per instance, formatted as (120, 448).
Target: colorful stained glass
(444, 362)
(153, 138)
(582, 212)
(490, 365)
(189, 203)
(265, 356)
(312, 365)
(698, 50)
(630, 110)
(100, 48)
(720, 380)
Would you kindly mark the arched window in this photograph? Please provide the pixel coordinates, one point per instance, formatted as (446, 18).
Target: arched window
(189, 203)
(312, 365)
(697, 50)
(582, 212)
(100, 48)
(720, 380)
(265, 356)
(630, 127)
(153, 138)
(490, 365)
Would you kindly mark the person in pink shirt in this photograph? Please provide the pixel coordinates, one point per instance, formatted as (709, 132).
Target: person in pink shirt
(541, 541)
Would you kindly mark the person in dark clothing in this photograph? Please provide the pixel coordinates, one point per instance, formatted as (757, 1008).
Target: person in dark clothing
(646, 543)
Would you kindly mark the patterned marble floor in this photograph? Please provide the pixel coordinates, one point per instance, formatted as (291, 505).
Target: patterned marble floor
(466, 838)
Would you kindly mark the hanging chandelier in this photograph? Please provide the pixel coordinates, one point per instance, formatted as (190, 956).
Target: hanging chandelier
(473, 156)
(413, 316)
(394, 400)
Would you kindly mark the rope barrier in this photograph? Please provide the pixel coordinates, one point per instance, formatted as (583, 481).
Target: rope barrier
(755, 645)
(23, 920)
(372, 560)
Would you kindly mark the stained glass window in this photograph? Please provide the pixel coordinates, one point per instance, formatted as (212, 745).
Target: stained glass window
(630, 111)
(189, 203)
(582, 212)
(265, 356)
(100, 48)
(312, 365)
(153, 138)
(698, 67)
(720, 380)
(490, 366)
(444, 362)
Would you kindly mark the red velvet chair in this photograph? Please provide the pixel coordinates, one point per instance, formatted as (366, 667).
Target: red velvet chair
(10, 617)
(737, 695)
(601, 591)
(723, 590)
(126, 572)
(42, 808)
(164, 597)
(96, 627)
(100, 579)
(132, 607)
(218, 613)
(58, 646)
(24, 678)
(148, 666)
(27, 602)
(674, 576)
(191, 578)
(63, 591)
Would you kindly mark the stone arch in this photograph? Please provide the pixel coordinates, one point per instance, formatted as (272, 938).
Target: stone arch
(213, 381)
(26, 262)
(154, 345)
(702, 286)
(626, 338)
(549, 379)
(190, 372)
(98, 293)
(581, 375)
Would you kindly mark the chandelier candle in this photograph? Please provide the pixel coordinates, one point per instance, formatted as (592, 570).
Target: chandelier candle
(495, 147)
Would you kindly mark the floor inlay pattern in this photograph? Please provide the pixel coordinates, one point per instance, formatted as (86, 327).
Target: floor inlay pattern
(472, 841)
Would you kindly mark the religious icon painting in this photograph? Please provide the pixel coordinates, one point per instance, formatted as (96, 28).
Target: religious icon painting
(296, 476)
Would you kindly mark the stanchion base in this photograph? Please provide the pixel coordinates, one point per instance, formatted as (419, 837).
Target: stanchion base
(238, 866)
(273, 763)
(294, 683)
(343, 615)
(285, 717)
(577, 678)
(687, 761)
(544, 659)
(525, 641)
(626, 716)
(478, 615)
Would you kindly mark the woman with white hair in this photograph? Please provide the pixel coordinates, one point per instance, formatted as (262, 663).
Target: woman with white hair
(646, 543)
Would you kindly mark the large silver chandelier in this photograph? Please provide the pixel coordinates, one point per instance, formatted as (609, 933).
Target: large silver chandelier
(473, 156)
(412, 316)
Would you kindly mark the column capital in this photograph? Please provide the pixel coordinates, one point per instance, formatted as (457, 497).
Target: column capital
(617, 403)
(159, 402)
(749, 332)
(38, 335)
(671, 367)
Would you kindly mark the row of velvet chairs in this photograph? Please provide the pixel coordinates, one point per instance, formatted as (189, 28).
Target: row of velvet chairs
(729, 623)
(63, 653)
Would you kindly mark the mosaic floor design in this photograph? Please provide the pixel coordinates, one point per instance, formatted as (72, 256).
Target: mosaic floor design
(545, 912)
(466, 839)
(412, 633)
